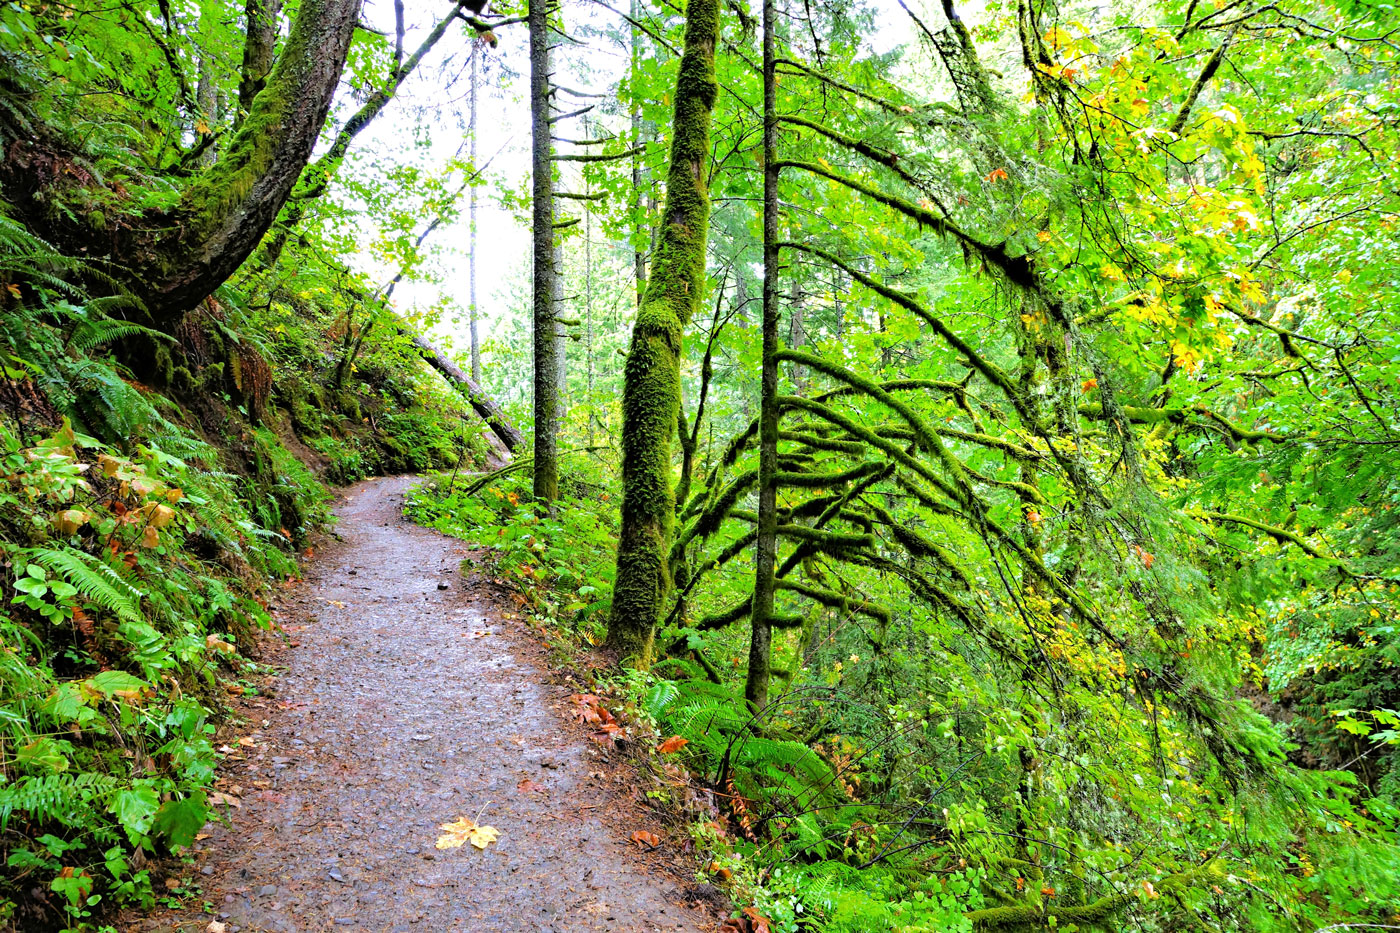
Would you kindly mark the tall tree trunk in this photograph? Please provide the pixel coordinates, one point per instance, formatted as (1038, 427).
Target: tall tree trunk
(471, 215)
(546, 482)
(258, 47)
(588, 298)
(561, 344)
(652, 378)
(207, 91)
(761, 635)
(639, 256)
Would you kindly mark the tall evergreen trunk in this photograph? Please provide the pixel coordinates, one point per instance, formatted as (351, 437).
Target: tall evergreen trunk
(471, 216)
(651, 386)
(561, 344)
(258, 47)
(588, 303)
(546, 482)
(639, 256)
(761, 635)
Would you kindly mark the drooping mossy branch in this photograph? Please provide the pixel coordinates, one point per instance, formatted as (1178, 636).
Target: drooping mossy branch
(887, 159)
(896, 385)
(895, 452)
(1279, 534)
(821, 443)
(989, 370)
(835, 600)
(1017, 451)
(1038, 915)
(740, 611)
(827, 480)
(920, 546)
(1141, 415)
(926, 436)
(1016, 269)
(714, 514)
(808, 70)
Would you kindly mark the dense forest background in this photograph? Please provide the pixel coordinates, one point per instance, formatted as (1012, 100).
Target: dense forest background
(970, 432)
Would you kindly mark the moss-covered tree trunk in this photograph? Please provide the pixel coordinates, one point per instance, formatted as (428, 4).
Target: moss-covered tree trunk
(546, 480)
(316, 178)
(173, 259)
(651, 386)
(766, 552)
(177, 259)
(259, 45)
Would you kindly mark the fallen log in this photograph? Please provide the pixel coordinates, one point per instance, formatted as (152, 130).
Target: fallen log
(483, 404)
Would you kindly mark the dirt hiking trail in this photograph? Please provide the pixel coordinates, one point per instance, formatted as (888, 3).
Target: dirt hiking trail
(396, 715)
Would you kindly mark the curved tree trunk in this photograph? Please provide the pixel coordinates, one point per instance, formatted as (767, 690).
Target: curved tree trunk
(317, 176)
(651, 386)
(173, 259)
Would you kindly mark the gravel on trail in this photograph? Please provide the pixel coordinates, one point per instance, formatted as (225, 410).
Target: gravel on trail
(407, 703)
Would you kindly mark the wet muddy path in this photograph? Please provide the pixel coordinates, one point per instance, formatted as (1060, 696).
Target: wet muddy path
(407, 704)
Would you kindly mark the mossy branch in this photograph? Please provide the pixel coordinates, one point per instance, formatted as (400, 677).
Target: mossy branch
(925, 435)
(827, 480)
(836, 601)
(1142, 415)
(1279, 534)
(1016, 269)
(989, 370)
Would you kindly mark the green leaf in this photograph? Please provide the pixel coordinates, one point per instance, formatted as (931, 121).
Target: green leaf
(135, 808)
(109, 683)
(179, 821)
(43, 754)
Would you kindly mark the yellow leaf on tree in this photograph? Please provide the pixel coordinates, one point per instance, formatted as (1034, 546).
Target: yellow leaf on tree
(465, 830)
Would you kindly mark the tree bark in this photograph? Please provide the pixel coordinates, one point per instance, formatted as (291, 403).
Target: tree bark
(561, 345)
(546, 479)
(761, 634)
(471, 215)
(175, 259)
(258, 48)
(651, 379)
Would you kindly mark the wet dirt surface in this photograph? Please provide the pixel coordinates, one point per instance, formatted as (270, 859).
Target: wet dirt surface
(407, 703)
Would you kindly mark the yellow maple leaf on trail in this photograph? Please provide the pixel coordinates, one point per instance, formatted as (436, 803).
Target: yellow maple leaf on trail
(465, 830)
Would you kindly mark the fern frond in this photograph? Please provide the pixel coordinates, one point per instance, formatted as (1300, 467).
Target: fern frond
(98, 583)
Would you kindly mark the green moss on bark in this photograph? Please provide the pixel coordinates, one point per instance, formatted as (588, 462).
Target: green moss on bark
(651, 379)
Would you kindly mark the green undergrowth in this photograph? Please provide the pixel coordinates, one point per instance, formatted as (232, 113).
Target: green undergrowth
(560, 563)
(133, 582)
(153, 487)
